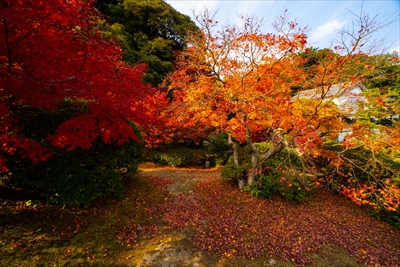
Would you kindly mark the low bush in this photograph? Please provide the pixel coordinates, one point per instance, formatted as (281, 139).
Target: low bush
(170, 155)
(266, 186)
(233, 172)
(218, 151)
(284, 174)
(370, 178)
(294, 187)
(80, 176)
(357, 165)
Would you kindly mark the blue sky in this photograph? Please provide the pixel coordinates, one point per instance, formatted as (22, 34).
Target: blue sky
(322, 17)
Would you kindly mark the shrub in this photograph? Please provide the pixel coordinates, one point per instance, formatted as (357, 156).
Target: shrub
(233, 173)
(296, 188)
(170, 155)
(359, 165)
(367, 177)
(219, 150)
(266, 186)
(282, 174)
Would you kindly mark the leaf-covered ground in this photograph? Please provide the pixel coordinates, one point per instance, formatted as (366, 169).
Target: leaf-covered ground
(234, 225)
(192, 214)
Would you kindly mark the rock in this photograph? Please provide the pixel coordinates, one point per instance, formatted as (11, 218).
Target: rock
(206, 143)
(164, 264)
(272, 262)
(150, 258)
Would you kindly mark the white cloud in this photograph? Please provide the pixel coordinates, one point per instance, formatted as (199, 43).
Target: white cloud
(326, 31)
(187, 7)
(394, 48)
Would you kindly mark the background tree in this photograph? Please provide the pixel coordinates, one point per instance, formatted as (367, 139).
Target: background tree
(174, 124)
(151, 31)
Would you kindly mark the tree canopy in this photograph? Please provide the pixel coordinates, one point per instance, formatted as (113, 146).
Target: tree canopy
(151, 31)
(241, 80)
(52, 53)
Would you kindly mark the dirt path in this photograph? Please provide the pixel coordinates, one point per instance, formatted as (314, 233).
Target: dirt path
(172, 248)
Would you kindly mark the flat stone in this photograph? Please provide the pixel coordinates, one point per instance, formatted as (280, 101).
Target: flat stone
(164, 264)
(149, 257)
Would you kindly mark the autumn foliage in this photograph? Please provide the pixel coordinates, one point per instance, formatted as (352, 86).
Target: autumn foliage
(51, 52)
(248, 83)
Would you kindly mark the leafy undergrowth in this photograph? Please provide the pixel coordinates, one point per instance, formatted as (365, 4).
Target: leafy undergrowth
(44, 235)
(234, 225)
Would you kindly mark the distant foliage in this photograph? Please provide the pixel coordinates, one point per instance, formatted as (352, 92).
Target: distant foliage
(219, 150)
(170, 155)
(149, 32)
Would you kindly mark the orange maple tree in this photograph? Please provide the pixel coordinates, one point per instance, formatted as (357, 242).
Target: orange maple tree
(242, 80)
(171, 123)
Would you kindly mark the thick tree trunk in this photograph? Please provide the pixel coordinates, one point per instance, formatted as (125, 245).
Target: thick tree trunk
(254, 157)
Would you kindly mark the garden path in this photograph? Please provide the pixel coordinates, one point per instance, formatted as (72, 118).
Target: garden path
(173, 248)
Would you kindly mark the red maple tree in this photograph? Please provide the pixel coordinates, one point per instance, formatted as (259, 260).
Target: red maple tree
(51, 51)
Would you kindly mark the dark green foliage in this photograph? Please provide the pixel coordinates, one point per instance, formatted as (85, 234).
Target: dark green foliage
(71, 177)
(266, 186)
(82, 175)
(218, 150)
(359, 165)
(386, 76)
(170, 155)
(297, 188)
(392, 217)
(284, 174)
(152, 32)
(232, 172)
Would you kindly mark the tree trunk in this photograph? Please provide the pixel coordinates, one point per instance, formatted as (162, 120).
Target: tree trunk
(235, 147)
(236, 158)
(254, 157)
(273, 151)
